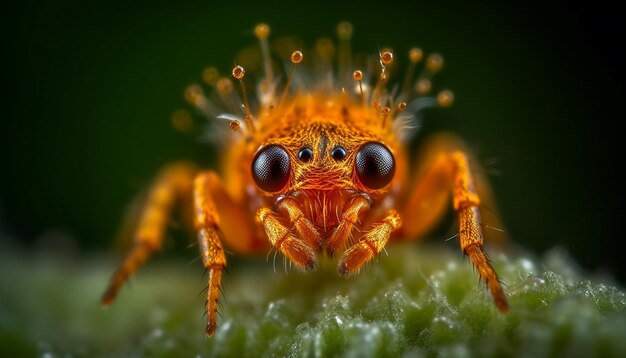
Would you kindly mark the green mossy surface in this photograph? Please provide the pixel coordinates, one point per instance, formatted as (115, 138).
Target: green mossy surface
(415, 301)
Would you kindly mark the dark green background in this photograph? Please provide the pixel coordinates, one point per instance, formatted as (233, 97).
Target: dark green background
(88, 90)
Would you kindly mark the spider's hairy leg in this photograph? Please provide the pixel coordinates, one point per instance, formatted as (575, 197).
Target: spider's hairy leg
(370, 245)
(448, 173)
(306, 230)
(359, 205)
(215, 261)
(280, 236)
(173, 185)
(207, 222)
(466, 202)
(217, 213)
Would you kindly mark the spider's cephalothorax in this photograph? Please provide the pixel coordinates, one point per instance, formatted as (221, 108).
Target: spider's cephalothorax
(317, 166)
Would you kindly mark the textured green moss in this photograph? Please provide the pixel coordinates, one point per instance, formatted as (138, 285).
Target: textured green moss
(418, 300)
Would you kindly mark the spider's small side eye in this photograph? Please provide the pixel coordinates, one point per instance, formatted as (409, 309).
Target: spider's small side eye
(339, 153)
(375, 165)
(271, 168)
(305, 154)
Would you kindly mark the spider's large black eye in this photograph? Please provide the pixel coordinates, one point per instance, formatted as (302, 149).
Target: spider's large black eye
(375, 165)
(270, 168)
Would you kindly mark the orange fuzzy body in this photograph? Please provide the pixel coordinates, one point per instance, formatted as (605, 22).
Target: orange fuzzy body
(316, 169)
(321, 123)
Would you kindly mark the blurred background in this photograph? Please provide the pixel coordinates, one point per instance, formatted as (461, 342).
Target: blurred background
(89, 89)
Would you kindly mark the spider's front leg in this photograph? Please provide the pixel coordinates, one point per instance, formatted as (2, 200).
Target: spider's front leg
(370, 245)
(466, 202)
(357, 207)
(300, 250)
(448, 172)
(217, 213)
(207, 223)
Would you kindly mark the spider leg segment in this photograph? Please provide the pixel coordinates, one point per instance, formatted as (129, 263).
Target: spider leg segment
(305, 229)
(207, 222)
(370, 245)
(299, 251)
(215, 261)
(359, 205)
(428, 200)
(172, 185)
(466, 202)
(218, 215)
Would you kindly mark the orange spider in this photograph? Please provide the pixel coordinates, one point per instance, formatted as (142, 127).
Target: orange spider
(319, 167)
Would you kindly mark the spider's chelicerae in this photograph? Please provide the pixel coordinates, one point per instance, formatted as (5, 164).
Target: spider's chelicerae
(317, 164)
